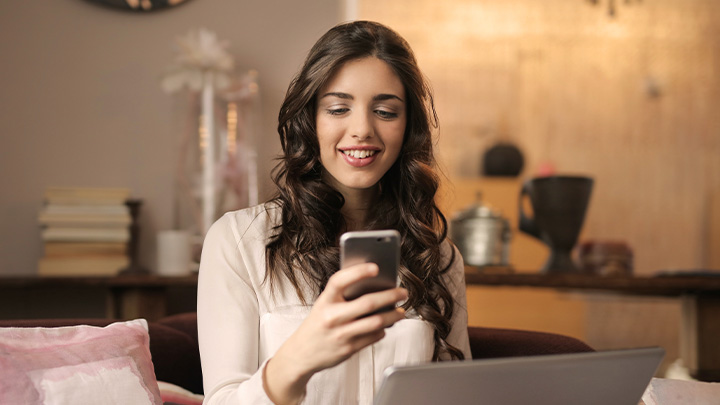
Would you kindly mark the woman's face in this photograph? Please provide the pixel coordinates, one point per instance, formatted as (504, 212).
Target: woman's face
(360, 121)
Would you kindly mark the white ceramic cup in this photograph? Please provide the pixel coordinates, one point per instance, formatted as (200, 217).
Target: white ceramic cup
(173, 253)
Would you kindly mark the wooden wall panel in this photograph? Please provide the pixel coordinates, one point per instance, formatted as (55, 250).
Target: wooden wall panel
(632, 101)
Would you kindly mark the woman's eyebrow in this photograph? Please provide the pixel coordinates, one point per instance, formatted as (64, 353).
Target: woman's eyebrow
(382, 97)
(346, 96)
(337, 94)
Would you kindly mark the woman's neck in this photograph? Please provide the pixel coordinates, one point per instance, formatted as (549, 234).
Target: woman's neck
(357, 207)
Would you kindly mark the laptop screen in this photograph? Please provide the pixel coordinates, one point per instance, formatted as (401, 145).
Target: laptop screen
(598, 378)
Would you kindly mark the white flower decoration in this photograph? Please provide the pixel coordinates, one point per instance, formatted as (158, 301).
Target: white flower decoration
(198, 52)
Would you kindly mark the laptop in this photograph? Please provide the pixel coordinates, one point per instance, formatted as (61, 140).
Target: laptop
(617, 377)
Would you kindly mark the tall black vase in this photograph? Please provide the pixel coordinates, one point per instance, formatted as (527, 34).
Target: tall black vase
(559, 204)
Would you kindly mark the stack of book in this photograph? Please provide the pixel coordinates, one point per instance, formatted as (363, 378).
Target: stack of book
(85, 231)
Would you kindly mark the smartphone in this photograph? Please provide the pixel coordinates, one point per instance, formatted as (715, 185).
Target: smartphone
(381, 247)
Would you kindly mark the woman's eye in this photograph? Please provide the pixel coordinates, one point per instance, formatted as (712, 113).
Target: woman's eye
(386, 114)
(337, 111)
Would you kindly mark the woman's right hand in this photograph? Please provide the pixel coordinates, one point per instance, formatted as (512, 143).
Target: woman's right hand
(333, 331)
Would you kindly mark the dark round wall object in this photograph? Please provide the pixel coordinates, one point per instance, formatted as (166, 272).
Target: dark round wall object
(503, 159)
(139, 5)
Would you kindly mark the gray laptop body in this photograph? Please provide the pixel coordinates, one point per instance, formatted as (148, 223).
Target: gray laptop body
(617, 377)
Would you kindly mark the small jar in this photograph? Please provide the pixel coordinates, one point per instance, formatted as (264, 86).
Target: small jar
(606, 258)
(482, 236)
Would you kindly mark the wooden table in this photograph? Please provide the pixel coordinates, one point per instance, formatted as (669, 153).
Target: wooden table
(127, 297)
(700, 297)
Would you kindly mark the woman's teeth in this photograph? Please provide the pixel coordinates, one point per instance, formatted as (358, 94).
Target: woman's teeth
(359, 154)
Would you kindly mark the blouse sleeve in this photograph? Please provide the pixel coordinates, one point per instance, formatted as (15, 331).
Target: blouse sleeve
(228, 321)
(455, 279)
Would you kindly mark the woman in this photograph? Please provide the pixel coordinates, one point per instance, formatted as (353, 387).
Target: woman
(355, 129)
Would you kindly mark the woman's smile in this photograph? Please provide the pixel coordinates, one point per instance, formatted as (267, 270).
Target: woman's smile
(359, 156)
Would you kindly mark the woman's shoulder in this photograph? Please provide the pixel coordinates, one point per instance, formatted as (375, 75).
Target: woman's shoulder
(268, 211)
(257, 221)
(452, 260)
(449, 251)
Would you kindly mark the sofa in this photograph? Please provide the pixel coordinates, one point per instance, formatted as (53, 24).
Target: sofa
(176, 358)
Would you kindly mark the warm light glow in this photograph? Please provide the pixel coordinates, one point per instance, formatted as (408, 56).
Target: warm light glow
(612, 6)
(232, 120)
(202, 138)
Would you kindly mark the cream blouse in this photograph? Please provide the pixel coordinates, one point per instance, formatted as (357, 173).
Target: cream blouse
(241, 323)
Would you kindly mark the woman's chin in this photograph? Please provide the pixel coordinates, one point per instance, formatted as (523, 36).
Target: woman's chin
(357, 186)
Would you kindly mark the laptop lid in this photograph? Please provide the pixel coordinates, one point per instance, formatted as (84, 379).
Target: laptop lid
(615, 377)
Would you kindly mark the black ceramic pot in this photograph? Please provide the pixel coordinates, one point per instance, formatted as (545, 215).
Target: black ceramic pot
(503, 159)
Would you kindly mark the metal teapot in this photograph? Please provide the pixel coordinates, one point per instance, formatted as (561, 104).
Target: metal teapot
(482, 235)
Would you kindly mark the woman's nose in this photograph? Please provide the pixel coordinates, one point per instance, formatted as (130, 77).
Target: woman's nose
(361, 127)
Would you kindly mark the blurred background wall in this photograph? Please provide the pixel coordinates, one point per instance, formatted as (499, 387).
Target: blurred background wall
(631, 100)
(81, 103)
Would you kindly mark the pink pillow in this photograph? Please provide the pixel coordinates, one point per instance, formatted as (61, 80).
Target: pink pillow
(78, 365)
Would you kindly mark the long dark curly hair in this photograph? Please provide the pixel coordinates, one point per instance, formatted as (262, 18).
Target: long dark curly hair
(304, 247)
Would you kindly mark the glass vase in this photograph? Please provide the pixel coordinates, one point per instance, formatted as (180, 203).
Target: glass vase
(217, 161)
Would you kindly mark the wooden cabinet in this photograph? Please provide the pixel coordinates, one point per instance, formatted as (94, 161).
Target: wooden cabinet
(122, 297)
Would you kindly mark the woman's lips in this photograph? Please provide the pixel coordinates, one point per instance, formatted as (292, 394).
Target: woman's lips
(359, 162)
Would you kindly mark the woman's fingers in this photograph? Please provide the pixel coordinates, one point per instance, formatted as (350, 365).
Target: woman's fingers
(335, 329)
(347, 276)
(339, 313)
(372, 302)
(362, 341)
(371, 324)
